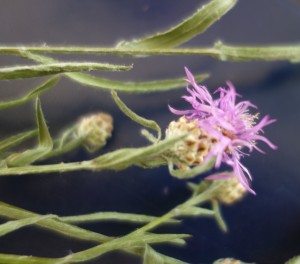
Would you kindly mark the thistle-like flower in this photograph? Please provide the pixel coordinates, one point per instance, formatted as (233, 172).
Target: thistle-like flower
(230, 126)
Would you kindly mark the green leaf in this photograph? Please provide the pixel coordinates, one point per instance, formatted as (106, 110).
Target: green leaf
(44, 135)
(44, 147)
(32, 94)
(123, 158)
(65, 148)
(115, 160)
(31, 71)
(194, 25)
(53, 225)
(115, 216)
(106, 84)
(132, 87)
(218, 216)
(190, 173)
(196, 211)
(153, 257)
(129, 241)
(11, 226)
(16, 139)
(136, 118)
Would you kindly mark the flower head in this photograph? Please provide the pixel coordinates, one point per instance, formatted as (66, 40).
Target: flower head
(229, 123)
(96, 129)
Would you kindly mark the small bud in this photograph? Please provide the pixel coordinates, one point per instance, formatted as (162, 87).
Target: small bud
(230, 191)
(96, 128)
(192, 149)
(229, 261)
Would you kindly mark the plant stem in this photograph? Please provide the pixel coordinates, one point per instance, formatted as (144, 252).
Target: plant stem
(218, 51)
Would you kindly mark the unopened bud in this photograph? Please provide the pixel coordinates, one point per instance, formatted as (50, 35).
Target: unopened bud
(192, 150)
(230, 191)
(96, 128)
(229, 261)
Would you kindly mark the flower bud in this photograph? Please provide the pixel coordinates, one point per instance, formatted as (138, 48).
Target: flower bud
(192, 149)
(228, 261)
(230, 191)
(96, 128)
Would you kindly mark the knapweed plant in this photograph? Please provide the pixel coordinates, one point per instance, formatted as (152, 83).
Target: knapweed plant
(216, 128)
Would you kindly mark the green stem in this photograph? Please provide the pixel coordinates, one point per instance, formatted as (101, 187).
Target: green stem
(133, 240)
(40, 169)
(105, 51)
(218, 51)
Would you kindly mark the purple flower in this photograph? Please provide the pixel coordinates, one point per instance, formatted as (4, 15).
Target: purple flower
(229, 123)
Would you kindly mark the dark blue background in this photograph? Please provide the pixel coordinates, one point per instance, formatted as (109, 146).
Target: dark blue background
(263, 228)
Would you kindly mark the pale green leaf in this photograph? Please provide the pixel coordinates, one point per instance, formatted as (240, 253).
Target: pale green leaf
(194, 25)
(153, 257)
(13, 225)
(174, 239)
(31, 71)
(132, 87)
(45, 143)
(115, 160)
(136, 118)
(123, 158)
(129, 241)
(32, 94)
(44, 135)
(111, 216)
(53, 225)
(195, 211)
(16, 139)
(65, 148)
(106, 84)
(218, 216)
(190, 173)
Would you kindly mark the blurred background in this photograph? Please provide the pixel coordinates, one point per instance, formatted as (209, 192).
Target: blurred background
(264, 228)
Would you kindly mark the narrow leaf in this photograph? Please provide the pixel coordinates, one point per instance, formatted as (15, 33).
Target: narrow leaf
(174, 239)
(153, 257)
(11, 226)
(31, 71)
(67, 147)
(126, 242)
(16, 139)
(53, 225)
(44, 147)
(193, 172)
(32, 94)
(194, 25)
(196, 211)
(44, 135)
(218, 216)
(132, 87)
(136, 118)
(123, 158)
(104, 216)
(106, 84)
